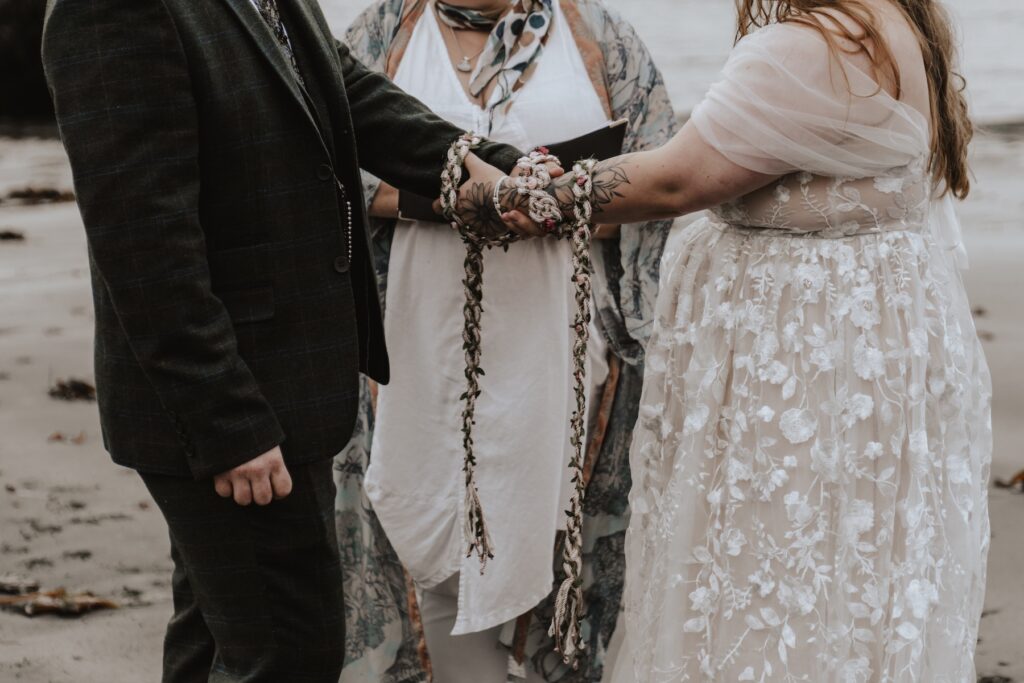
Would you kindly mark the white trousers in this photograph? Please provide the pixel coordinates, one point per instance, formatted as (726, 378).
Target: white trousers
(472, 658)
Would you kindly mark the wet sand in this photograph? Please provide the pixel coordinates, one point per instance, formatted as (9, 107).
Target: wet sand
(70, 517)
(73, 519)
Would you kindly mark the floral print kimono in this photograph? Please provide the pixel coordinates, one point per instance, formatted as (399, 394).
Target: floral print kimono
(383, 641)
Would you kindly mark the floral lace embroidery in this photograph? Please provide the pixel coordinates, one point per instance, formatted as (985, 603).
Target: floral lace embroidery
(814, 442)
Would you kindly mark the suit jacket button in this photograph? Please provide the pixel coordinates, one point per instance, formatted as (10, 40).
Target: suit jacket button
(341, 264)
(324, 172)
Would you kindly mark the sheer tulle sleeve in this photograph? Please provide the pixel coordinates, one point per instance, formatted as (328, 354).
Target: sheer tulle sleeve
(785, 104)
(948, 233)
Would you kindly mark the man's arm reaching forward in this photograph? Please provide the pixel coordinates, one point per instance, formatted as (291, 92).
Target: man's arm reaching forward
(399, 139)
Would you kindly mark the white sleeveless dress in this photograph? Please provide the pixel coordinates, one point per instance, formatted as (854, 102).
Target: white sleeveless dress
(811, 461)
(522, 418)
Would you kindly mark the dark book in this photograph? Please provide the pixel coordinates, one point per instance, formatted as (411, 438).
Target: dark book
(600, 144)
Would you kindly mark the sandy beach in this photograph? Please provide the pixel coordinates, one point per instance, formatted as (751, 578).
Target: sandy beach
(70, 518)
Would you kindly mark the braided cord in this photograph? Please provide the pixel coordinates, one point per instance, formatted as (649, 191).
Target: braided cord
(543, 208)
(475, 532)
(475, 527)
(566, 627)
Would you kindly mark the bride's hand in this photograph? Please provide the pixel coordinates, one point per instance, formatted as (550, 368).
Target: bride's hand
(516, 221)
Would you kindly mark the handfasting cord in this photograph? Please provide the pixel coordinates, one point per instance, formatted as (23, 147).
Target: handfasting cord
(566, 627)
(543, 209)
(533, 183)
(475, 530)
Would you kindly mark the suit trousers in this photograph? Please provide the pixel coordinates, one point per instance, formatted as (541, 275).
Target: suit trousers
(472, 658)
(257, 590)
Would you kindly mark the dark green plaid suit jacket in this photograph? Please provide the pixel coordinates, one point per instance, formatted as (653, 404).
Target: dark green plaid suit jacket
(228, 318)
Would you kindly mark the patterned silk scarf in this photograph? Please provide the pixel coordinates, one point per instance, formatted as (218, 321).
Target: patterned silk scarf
(469, 19)
(516, 42)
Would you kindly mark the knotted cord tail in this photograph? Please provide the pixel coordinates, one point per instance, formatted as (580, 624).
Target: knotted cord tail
(479, 538)
(566, 627)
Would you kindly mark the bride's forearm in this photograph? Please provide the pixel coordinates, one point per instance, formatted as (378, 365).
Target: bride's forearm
(683, 176)
(629, 189)
(626, 189)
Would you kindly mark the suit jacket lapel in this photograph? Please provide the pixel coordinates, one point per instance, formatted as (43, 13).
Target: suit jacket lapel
(268, 47)
(317, 37)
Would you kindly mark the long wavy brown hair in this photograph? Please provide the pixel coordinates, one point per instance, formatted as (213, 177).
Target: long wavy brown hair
(952, 129)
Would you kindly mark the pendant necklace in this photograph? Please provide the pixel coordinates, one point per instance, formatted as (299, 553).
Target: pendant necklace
(466, 64)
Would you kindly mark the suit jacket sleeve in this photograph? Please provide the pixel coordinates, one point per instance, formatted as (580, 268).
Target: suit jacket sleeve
(121, 88)
(398, 138)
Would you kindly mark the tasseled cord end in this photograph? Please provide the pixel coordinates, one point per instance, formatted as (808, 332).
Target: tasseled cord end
(565, 627)
(476, 528)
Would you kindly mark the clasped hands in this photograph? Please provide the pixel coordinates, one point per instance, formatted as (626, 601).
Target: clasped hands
(478, 209)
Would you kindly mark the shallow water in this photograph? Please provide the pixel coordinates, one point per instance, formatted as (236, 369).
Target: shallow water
(691, 38)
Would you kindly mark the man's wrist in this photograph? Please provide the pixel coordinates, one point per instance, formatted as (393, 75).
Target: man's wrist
(502, 157)
(215, 456)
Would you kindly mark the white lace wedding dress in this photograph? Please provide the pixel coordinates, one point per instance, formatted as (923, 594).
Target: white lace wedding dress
(811, 459)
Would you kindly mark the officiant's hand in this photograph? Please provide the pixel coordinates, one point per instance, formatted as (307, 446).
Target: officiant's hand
(261, 481)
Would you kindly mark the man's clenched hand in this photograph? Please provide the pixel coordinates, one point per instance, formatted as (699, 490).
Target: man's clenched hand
(259, 481)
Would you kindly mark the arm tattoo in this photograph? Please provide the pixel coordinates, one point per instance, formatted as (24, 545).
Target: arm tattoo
(609, 177)
(607, 181)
